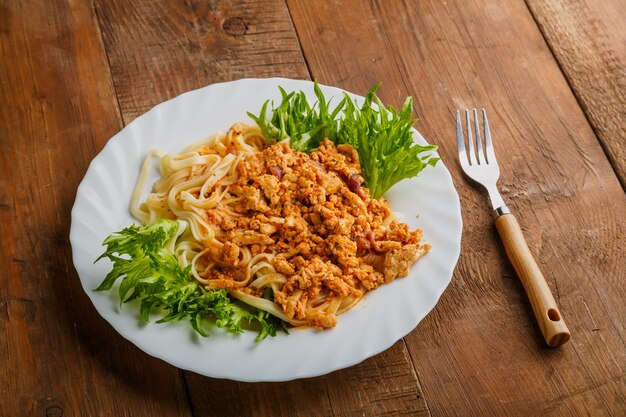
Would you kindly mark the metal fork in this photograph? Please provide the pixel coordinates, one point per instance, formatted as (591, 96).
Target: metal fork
(479, 163)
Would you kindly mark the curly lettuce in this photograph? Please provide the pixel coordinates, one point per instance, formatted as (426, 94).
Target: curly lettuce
(150, 274)
(381, 135)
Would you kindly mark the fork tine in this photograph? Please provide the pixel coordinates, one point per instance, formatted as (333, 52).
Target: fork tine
(470, 140)
(479, 141)
(491, 155)
(460, 142)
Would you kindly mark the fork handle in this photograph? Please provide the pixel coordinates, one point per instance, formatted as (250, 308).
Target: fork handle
(550, 320)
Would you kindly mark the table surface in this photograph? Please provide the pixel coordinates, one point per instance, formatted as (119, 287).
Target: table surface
(550, 73)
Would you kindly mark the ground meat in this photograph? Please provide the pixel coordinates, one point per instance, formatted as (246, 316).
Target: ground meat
(270, 186)
(349, 152)
(344, 249)
(230, 254)
(329, 239)
(284, 267)
(248, 238)
(323, 321)
(398, 262)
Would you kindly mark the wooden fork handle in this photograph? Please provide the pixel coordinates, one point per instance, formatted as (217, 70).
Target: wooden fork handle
(546, 311)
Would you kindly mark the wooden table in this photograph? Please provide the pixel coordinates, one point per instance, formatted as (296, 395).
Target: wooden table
(551, 74)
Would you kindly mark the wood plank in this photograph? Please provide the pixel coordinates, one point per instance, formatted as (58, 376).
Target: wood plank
(382, 385)
(201, 47)
(301, 398)
(157, 50)
(57, 109)
(588, 40)
(480, 352)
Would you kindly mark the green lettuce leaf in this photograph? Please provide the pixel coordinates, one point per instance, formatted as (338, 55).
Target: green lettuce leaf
(152, 275)
(384, 141)
(381, 136)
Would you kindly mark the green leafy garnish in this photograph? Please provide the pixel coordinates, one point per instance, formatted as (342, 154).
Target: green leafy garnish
(384, 141)
(305, 125)
(151, 274)
(381, 136)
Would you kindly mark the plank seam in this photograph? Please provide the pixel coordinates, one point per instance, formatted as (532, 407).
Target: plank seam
(308, 69)
(373, 5)
(415, 373)
(577, 97)
(295, 31)
(106, 55)
(183, 377)
(99, 24)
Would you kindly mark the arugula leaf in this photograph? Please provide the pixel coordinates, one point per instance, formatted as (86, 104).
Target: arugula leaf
(151, 274)
(381, 136)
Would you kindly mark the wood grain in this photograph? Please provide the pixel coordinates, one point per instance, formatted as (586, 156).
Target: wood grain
(203, 48)
(57, 110)
(479, 352)
(158, 50)
(73, 73)
(588, 38)
(382, 385)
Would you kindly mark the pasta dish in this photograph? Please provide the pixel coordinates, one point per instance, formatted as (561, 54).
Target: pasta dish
(281, 222)
(293, 234)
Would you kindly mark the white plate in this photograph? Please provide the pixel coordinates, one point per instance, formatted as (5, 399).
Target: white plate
(383, 316)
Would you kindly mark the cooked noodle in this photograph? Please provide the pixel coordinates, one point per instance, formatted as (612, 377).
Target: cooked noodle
(263, 220)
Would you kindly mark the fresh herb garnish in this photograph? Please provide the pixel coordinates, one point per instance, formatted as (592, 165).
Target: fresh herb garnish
(381, 136)
(305, 125)
(151, 274)
(384, 141)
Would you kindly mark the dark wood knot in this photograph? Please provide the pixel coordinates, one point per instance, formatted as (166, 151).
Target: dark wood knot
(54, 411)
(235, 26)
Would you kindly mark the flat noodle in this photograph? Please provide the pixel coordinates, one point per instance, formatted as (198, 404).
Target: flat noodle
(259, 218)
